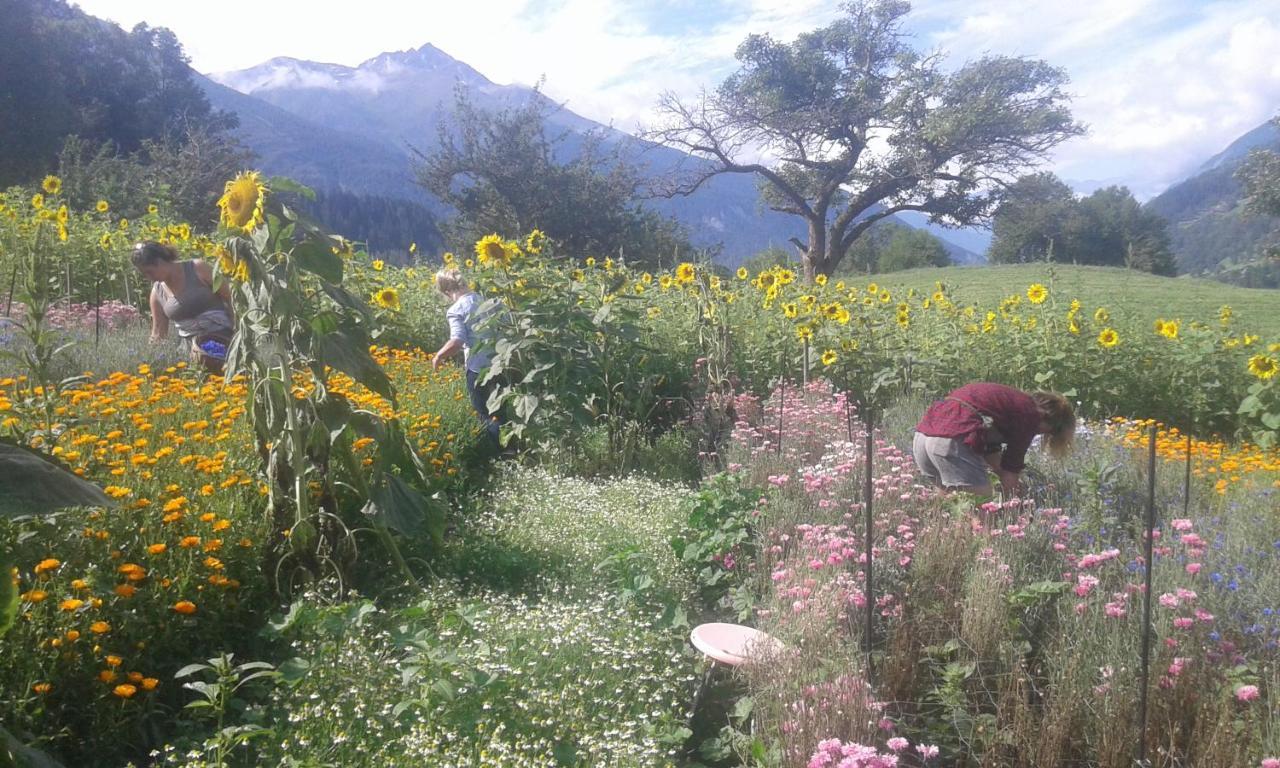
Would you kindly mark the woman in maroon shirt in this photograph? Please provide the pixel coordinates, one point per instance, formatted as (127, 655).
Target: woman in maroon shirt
(981, 426)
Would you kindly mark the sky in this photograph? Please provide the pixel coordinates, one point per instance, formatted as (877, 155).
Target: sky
(1162, 85)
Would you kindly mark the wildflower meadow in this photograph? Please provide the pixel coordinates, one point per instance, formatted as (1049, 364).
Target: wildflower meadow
(317, 558)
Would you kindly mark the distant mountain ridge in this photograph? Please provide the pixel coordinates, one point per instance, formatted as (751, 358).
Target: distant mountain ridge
(366, 118)
(1207, 223)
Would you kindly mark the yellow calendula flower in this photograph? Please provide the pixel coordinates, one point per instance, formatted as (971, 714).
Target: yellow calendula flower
(1263, 366)
(242, 201)
(685, 273)
(829, 357)
(1108, 338)
(51, 185)
(1037, 293)
(388, 298)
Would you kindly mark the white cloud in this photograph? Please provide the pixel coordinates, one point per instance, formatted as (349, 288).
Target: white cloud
(1162, 84)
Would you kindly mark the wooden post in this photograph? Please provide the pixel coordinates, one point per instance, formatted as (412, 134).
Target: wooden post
(868, 491)
(1186, 483)
(97, 312)
(13, 281)
(1146, 597)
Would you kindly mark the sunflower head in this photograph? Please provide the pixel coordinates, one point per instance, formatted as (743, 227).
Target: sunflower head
(1263, 366)
(535, 242)
(742, 273)
(103, 206)
(491, 250)
(684, 273)
(51, 185)
(388, 298)
(1108, 338)
(242, 200)
(820, 280)
(1037, 293)
(829, 357)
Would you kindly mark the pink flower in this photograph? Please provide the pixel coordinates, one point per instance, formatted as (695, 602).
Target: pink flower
(1169, 600)
(1247, 693)
(1270, 762)
(1181, 524)
(1085, 584)
(897, 743)
(1183, 622)
(1193, 568)
(1186, 594)
(1203, 615)
(1115, 611)
(929, 751)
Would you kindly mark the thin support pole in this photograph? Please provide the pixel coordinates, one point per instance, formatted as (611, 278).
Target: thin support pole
(97, 311)
(782, 400)
(848, 417)
(1146, 596)
(868, 491)
(13, 282)
(1186, 483)
(804, 365)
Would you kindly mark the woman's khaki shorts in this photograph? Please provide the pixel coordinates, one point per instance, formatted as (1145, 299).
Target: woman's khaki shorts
(949, 462)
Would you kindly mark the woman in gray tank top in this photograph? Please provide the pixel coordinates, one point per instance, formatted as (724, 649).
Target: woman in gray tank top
(182, 293)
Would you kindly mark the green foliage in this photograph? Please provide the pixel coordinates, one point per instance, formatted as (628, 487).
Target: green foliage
(912, 248)
(510, 172)
(1041, 219)
(295, 322)
(819, 101)
(719, 537)
(388, 226)
(218, 700)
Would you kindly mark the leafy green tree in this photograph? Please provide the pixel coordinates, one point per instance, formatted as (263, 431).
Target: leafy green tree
(509, 172)
(856, 117)
(1033, 221)
(64, 72)
(1041, 219)
(910, 249)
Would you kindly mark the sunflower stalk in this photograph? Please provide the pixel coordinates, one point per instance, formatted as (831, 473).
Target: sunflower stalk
(298, 326)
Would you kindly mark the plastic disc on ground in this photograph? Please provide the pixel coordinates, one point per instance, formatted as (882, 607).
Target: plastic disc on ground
(733, 644)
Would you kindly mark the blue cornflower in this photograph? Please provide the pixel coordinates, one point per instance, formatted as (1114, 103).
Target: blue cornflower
(1233, 585)
(1215, 577)
(1214, 636)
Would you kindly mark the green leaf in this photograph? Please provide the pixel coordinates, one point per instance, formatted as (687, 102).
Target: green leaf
(319, 259)
(32, 484)
(401, 508)
(8, 594)
(342, 351)
(285, 184)
(25, 757)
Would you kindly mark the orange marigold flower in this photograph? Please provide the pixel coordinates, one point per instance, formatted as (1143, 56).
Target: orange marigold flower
(125, 590)
(185, 607)
(34, 596)
(73, 635)
(107, 676)
(189, 541)
(42, 688)
(113, 660)
(157, 549)
(48, 564)
(71, 604)
(150, 683)
(124, 690)
(99, 627)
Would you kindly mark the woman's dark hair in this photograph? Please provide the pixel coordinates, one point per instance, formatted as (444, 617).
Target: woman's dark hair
(150, 252)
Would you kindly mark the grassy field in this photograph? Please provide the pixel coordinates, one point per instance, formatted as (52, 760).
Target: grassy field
(1118, 289)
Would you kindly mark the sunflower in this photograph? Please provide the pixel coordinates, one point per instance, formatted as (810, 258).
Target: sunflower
(1101, 315)
(37, 201)
(665, 282)
(804, 332)
(1224, 314)
(387, 298)
(742, 273)
(242, 200)
(1167, 329)
(873, 288)
(1263, 367)
(766, 280)
(790, 310)
(377, 265)
(821, 280)
(51, 185)
(535, 242)
(1108, 338)
(829, 357)
(684, 273)
(1037, 293)
(104, 242)
(103, 206)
